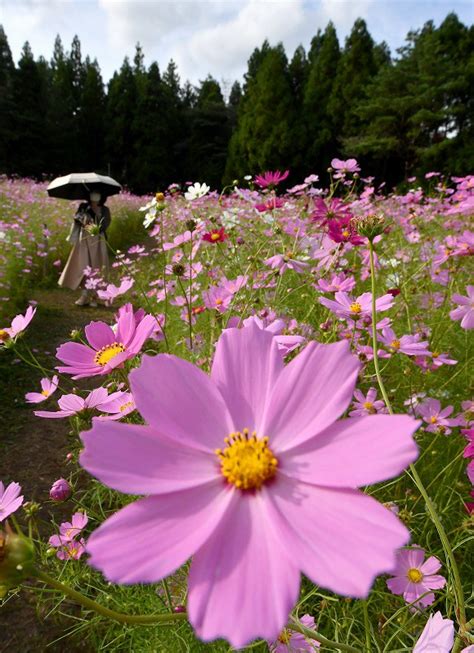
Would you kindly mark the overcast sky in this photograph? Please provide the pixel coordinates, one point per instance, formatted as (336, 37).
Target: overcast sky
(207, 36)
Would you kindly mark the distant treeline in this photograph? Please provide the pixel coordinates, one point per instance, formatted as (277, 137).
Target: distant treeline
(398, 115)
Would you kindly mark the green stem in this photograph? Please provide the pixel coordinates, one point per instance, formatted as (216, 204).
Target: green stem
(459, 594)
(368, 643)
(133, 619)
(312, 634)
(167, 593)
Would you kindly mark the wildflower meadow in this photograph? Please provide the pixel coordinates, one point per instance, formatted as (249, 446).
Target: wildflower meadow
(266, 424)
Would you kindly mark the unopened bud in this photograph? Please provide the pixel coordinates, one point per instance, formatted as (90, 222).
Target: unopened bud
(191, 224)
(75, 334)
(31, 508)
(60, 490)
(17, 555)
(160, 198)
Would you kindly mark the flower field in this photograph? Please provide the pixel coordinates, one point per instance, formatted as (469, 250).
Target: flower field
(269, 420)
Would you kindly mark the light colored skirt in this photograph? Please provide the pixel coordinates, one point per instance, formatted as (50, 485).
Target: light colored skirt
(88, 251)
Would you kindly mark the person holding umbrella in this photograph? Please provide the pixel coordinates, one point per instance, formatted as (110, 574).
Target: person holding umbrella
(88, 232)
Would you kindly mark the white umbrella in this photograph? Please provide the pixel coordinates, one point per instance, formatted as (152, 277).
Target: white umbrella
(79, 185)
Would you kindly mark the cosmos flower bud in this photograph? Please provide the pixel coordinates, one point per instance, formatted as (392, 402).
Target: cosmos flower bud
(191, 224)
(31, 508)
(60, 490)
(75, 334)
(160, 198)
(178, 269)
(371, 226)
(17, 555)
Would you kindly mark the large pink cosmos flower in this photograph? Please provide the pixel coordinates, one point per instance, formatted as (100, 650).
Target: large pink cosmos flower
(249, 472)
(465, 309)
(108, 348)
(10, 499)
(414, 577)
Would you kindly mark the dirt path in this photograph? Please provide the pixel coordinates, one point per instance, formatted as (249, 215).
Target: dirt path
(33, 451)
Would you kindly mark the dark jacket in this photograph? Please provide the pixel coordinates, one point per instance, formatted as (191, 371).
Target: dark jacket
(86, 215)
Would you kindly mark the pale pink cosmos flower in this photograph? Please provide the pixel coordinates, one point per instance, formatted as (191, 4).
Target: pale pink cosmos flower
(436, 418)
(10, 499)
(19, 324)
(117, 405)
(437, 635)
(108, 348)
(218, 298)
(465, 309)
(344, 167)
(409, 345)
(112, 292)
(249, 472)
(282, 262)
(290, 641)
(69, 530)
(48, 387)
(367, 405)
(71, 550)
(339, 282)
(347, 307)
(74, 404)
(413, 577)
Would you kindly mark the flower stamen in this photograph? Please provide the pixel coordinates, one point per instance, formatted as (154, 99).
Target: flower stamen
(108, 352)
(247, 461)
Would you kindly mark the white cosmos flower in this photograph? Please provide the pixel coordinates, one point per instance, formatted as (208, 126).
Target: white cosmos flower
(150, 215)
(196, 190)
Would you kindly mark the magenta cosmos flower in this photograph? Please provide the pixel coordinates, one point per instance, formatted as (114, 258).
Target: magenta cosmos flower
(413, 577)
(270, 179)
(465, 309)
(348, 307)
(436, 418)
(10, 499)
(249, 472)
(108, 348)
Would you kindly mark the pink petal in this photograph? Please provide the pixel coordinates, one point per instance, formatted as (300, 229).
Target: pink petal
(398, 585)
(242, 582)
(126, 327)
(310, 394)
(354, 452)
(73, 353)
(35, 397)
(181, 401)
(153, 537)
(138, 460)
(341, 539)
(431, 566)
(99, 335)
(245, 368)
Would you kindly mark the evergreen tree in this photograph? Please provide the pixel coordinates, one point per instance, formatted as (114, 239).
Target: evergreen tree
(7, 105)
(263, 137)
(210, 133)
(29, 96)
(62, 110)
(120, 117)
(92, 118)
(320, 122)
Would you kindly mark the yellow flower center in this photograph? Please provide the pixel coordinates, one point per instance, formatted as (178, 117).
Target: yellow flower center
(247, 461)
(414, 575)
(395, 344)
(128, 404)
(368, 405)
(284, 637)
(3, 335)
(108, 352)
(346, 233)
(435, 354)
(355, 307)
(433, 419)
(45, 393)
(219, 302)
(215, 237)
